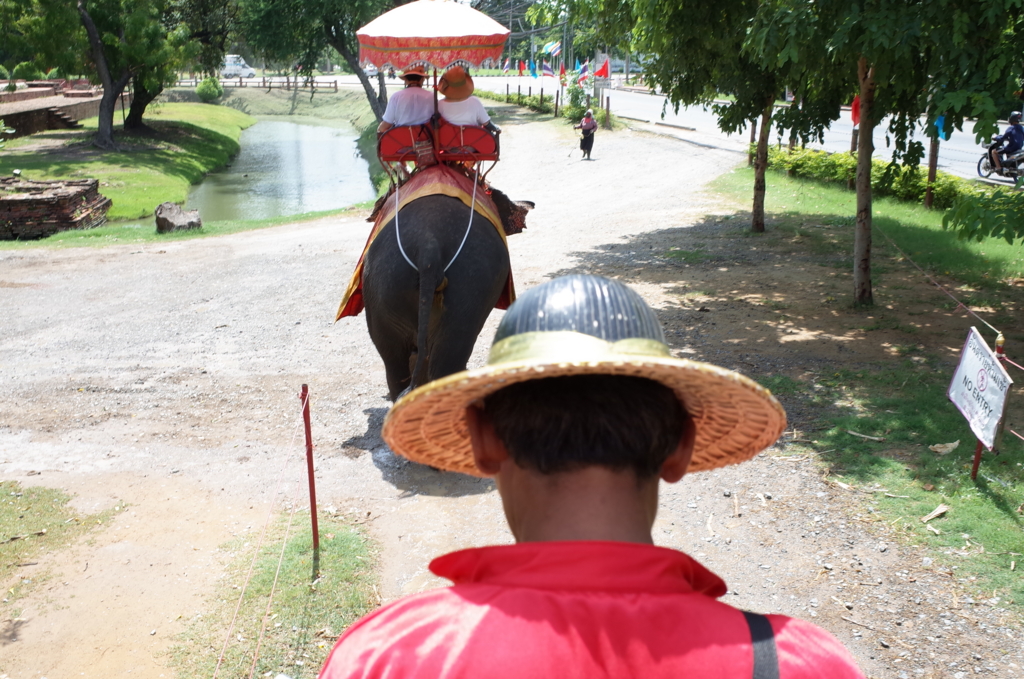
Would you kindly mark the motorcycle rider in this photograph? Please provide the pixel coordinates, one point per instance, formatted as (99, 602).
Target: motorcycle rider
(1013, 138)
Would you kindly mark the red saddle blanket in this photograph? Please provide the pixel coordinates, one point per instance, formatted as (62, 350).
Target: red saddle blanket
(435, 180)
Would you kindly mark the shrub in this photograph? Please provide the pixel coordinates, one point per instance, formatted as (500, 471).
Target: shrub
(54, 74)
(209, 89)
(899, 181)
(4, 73)
(26, 70)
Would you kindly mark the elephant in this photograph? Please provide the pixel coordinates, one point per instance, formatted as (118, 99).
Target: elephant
(424, 321)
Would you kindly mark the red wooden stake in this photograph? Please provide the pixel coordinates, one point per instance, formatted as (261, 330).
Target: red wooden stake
(304, 397)
(977, 461)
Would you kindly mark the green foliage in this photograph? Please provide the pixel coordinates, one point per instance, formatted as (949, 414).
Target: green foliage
(4, 73)
(531, 102)
(209, 89)
(978, 216)
(54, 74)
(904, 182)
(27, 70)
(4, 130)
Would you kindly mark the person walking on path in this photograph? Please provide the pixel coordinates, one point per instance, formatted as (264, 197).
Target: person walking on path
(588, 125)
(579, 413)
(412, 105)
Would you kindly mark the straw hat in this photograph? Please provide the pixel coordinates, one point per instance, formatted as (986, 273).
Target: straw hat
(585, 325)
(456, 84)
(417, 70)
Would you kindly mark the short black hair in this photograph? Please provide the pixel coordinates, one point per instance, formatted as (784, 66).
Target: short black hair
(560, 424)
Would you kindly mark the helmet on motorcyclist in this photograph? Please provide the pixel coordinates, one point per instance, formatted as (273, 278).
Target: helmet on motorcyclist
(1015, 117)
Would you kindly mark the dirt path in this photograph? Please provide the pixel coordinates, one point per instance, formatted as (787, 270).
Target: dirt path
(165, 376)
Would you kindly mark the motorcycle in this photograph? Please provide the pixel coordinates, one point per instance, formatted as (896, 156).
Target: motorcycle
(1012, 167)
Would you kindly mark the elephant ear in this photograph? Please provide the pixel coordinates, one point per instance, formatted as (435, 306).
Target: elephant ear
(512, 213)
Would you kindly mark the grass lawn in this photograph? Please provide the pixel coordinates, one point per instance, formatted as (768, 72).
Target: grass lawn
(187, 142)
(287, 621)
(903, 399)
(34, 520)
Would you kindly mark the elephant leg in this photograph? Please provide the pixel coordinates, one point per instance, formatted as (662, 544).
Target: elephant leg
(397, 353)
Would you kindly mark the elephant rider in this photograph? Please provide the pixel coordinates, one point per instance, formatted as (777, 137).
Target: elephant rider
(1013, 138)
(412, 105)
(578, 415)
(459, 106)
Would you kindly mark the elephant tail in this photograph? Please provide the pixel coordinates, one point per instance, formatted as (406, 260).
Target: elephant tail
(432, 285)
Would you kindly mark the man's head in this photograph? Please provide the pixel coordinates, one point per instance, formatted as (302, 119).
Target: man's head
(564, 348)
(1015, 118)
(414, 76)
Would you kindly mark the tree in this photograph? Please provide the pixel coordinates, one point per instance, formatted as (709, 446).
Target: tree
(904, 57)
(298, 31)
(126, 37)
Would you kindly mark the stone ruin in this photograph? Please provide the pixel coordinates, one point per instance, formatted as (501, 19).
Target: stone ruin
(36, 209)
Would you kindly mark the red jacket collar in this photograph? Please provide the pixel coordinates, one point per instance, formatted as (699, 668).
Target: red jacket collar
(583, 565)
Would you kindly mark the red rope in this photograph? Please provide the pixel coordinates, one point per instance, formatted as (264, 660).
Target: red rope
(256, 553)
(273, 589)
(1016, 434)
(1015, 365)
(959, 304)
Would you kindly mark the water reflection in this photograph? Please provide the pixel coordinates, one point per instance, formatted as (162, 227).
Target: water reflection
(285, 168)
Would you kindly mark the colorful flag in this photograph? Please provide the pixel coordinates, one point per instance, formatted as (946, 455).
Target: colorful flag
(604, 71)
(855, 111)
(522, 67)
(940, 123)
(585, 71)
(561, 73)
(547, 69)
(556, 49)
(578, 64)
(533, 69)
(505, 68)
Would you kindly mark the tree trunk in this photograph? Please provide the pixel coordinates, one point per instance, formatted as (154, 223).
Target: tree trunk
(141, 98)
(378, 100)
(933, 162)
(760, 165)
(111, 88)
(862, 235)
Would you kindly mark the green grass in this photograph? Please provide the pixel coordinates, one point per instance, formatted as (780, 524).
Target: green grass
(190, 140)
(34, 520)
(307, 613)
(903, 399)
(812, 208)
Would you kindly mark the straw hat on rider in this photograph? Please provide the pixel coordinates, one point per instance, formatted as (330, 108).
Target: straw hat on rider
(456, 84)
(417, 72)
(585, 325)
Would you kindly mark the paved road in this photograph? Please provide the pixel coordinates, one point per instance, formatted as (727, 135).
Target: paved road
(959, 155)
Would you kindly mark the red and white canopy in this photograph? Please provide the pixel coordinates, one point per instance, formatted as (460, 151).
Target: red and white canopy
(437, 33)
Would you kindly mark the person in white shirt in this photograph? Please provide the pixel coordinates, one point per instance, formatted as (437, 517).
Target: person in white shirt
(459, 106)
(410, 106)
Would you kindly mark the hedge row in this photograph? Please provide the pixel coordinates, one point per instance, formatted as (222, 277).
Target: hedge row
(531, 102)
(904, 183)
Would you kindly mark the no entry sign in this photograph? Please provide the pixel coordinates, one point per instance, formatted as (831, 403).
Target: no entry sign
(979, 389)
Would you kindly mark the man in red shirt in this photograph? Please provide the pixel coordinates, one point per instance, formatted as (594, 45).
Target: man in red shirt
(579, 412)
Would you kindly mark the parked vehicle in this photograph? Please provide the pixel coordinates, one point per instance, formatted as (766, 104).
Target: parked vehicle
(234, 66)
(1013, 165)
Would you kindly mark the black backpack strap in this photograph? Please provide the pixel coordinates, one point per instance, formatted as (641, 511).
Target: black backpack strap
(766, 659)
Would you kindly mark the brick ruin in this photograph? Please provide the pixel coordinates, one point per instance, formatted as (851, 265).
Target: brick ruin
(36, 209)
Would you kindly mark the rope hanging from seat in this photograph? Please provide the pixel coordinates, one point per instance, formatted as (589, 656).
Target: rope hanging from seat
(472, 211)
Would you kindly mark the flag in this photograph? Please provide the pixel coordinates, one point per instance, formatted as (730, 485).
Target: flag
(557, 49)
(855, 110)
(561, 73)
(578, 65)
(547, 69)
(522, 67)
(604, 71)
(940, 123)
(533, 69)
(505, 68)
(585, 71)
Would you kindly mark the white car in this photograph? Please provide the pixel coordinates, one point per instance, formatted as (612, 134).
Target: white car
(235, 66)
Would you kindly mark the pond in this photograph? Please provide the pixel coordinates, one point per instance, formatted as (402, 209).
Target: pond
(287, 165)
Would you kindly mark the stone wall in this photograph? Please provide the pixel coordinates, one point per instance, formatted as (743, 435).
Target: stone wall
(37, 209)
(39, 119)
(22, 95)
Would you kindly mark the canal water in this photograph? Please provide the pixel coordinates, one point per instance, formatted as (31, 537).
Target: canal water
(287, 165)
